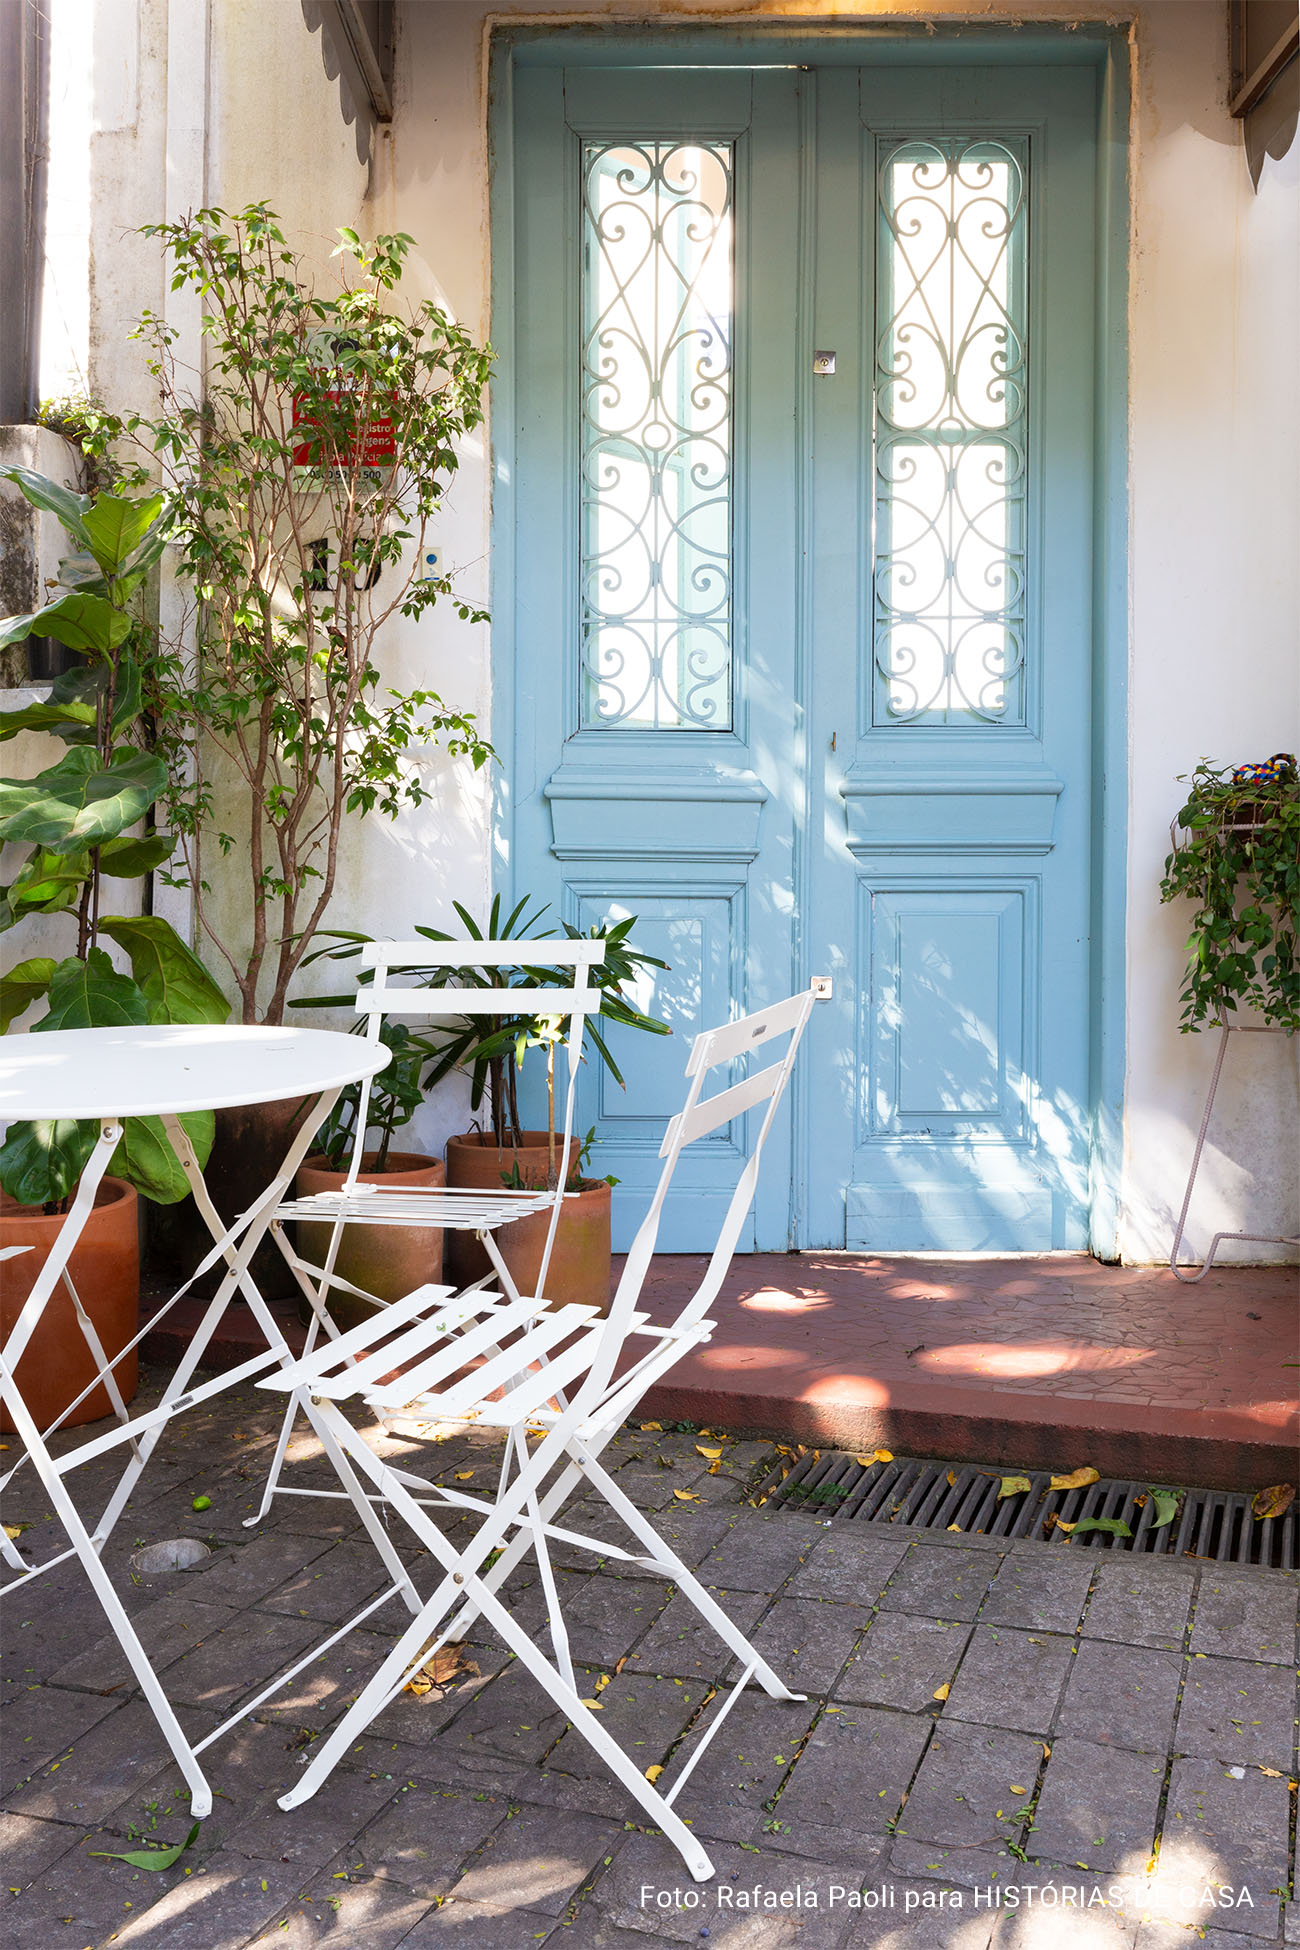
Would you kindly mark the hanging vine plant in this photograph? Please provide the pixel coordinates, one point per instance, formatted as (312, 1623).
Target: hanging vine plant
(1236, 853)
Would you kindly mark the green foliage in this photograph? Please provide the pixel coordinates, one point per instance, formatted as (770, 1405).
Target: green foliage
(326, 438)
(1237, 856)
(491, 1049)
(74, 816)
(396, 1093)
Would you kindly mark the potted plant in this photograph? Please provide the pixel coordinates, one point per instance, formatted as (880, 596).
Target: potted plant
(1236, 854)
(387, 1261)
(325, 437)
(492, 1051)
(75, 818)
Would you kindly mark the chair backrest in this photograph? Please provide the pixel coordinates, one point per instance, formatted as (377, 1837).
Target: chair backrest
(698, 1117)
(381, 997)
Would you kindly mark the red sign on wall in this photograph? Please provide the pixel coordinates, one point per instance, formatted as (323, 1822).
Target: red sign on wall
(378, 447)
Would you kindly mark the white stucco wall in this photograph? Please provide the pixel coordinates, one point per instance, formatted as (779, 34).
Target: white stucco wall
(1215, 662)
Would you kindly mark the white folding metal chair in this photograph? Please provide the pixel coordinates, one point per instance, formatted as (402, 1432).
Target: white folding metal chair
(481, 1212)
(551, 1375)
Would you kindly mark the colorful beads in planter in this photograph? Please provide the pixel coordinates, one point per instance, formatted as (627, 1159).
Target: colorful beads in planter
(1281, 766)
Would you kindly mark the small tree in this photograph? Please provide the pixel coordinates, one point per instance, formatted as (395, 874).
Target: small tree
(309, 469)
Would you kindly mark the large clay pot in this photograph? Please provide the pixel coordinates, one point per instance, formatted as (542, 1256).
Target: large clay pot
(248, 1150)
(579, 1268)
(388, 1261)
(105, 1269)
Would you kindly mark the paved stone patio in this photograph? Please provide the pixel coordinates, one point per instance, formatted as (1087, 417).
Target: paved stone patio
(1097, 1712)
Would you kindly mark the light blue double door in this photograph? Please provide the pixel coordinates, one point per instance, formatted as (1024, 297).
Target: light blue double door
(796, 496)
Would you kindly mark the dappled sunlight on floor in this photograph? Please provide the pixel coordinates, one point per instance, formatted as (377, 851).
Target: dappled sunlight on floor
(1028, 1358)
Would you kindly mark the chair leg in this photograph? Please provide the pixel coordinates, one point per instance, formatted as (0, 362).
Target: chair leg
(687, 1584)
(387, 1680)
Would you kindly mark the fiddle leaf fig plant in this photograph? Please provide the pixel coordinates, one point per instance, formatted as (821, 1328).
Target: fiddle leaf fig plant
(74, 818)
(1236, 854)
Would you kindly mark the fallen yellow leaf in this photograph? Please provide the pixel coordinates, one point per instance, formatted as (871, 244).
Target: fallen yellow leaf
(1018, 1790)
(1066, 1527)
(952, 1479)
(653, 1773)
(1274, 1773)
(686, 1496)
(942, 1692)
(1013, 1486)
(437, 1671)
(954, 1526)
(1274, 1500)
(594, 1704)
(883, 1455)
(714, 1469)
(1078, 1479)
(602, 1682)
(649, 1428)
(712, 1454)
(463, 1475)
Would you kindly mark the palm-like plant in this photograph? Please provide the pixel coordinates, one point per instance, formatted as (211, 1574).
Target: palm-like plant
(491, 1049)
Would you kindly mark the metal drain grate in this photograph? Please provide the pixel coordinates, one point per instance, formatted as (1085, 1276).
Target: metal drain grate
(1212, 1524)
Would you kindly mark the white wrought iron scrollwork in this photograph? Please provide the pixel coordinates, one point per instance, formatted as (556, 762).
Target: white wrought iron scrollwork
(951, 400)
(656, 435)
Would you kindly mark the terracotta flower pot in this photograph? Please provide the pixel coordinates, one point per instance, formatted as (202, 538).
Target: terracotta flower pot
(579, 1267)
(389, 1261)
(105, 1269)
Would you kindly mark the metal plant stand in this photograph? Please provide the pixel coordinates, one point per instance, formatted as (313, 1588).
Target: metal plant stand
(1186, 1273)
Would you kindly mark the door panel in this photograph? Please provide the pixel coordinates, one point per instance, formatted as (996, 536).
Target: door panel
(801, 667)
(652, 774)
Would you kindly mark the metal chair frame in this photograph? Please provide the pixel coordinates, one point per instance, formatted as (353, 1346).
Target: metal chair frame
(435, 1206)
(532, 1357)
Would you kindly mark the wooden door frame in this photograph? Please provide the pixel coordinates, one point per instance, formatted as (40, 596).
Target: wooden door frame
(857, 44)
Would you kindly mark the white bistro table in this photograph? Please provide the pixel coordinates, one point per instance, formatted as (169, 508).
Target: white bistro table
(106, 1075)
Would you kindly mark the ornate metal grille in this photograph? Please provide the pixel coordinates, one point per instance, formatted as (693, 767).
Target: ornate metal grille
(950, 486)
(656, 435)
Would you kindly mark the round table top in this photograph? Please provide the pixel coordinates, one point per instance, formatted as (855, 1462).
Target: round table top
(164, 1067)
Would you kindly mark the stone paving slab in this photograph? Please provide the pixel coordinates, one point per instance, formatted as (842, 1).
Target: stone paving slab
(1044, 1592)
(1144, 1602)
(903, 1661)
(939, 1583)
(1010, 1678)
(1122, 1696)
(1243, 1617)
(1098, 1807)
(478, 1819)
(1238, 1710)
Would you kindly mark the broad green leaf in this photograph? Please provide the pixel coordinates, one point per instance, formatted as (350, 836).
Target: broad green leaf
(127, 694)
(78, 802)
(1013, 1486)
(146, 1159)
(125, 858)
(81, 571)
(1114, 1526)
(79, 619)
(91, 994)
(173, 980)
(115, 524)
(48, 883)
(41, 1161)
(149, 1858)
(1166, 1507)
(44, 493)
(45, 716)
(25, 983)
